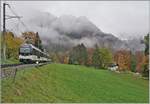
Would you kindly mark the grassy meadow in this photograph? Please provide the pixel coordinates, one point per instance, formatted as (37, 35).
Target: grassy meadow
(60, 83)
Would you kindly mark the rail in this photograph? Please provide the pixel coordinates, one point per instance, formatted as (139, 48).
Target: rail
(10, 65)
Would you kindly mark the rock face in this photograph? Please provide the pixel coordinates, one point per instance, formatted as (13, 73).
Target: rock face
(123, 59)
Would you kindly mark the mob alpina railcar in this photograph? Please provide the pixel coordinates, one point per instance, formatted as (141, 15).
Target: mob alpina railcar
(28, 53)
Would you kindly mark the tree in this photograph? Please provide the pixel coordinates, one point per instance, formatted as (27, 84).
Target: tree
(96, 58)
(146, 65)
(12, 45)
(139, 60)
(82, 54)
(33, 38)
(61, 57)
(90, 54)
(101, 57)
(146, 42)
(54, 57)
(105, 57)
(66, 60)
(133, 63)
(78, 55)
(38, 42)
(123, 59)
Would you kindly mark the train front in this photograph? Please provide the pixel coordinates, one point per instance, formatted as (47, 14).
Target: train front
(25, 53)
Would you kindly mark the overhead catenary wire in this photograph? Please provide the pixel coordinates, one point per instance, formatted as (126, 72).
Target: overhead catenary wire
(17, 25)
(17, 16)
(13, 27)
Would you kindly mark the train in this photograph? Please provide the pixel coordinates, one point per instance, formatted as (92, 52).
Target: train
(28, 53)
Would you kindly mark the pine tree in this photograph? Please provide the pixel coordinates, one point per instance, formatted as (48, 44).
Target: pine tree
(96, 58)
(146, 65)
(78, 55)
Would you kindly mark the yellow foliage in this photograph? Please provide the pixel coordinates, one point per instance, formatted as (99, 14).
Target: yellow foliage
(12, 45)
(66, 60)
(123, 59)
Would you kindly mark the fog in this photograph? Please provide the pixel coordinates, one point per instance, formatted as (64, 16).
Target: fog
(74, 22)
(121, 18)
(61, 29)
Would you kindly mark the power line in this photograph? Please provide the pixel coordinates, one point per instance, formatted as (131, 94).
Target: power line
(10, 17)
(15, 16)
(18, 17)
(4, 27)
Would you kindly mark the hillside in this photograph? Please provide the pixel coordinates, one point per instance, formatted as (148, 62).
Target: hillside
(73, 83)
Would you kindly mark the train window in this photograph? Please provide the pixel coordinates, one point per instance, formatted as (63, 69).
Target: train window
(25, 50)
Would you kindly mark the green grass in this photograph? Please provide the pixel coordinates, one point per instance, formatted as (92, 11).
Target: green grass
(73, 83)
(10, 61)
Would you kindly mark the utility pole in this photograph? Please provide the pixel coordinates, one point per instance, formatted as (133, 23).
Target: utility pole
(4, 32)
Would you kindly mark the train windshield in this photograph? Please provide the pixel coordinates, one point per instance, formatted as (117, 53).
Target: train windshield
(25, 50)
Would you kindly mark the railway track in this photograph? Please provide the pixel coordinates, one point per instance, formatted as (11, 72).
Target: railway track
(10, 65)
(10, 70)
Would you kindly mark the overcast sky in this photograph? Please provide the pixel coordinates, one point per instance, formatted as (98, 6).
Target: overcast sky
(121, 18)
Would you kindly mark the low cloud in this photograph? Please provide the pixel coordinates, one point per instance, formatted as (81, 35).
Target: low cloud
(65, 30)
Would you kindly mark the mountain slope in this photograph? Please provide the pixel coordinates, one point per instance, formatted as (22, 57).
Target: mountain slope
(68, 31)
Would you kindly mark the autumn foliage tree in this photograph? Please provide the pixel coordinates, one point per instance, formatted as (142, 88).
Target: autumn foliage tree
(54, 57)
(139, 60)
(66, 60)
(90, 52)
(32, 38)
(123, 59)
(12, 45)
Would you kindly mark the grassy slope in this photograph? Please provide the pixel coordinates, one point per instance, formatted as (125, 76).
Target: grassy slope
(10, 61)
(70, 83)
